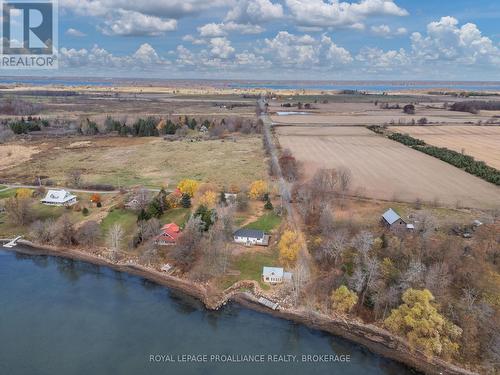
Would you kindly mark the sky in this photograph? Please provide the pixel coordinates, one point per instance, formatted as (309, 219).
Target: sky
(281, 39)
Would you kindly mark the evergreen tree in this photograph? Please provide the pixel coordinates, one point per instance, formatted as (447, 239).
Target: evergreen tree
(155, 208)
(143, 216)
(206, 215)
(192, 124)
(186, 201)
(222, 198)
(268, 205)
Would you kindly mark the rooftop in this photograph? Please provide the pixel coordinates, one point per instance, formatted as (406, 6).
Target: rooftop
(272, 271)
(391, 216)
(251, 233)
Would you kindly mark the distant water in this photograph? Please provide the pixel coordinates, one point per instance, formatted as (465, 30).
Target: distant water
(378, 86)
(63, 317)
(365, 86)
(55, 81)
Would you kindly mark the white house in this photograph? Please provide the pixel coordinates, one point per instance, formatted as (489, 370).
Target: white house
(251, 237)
(59, 198)
(230, 197)
(275, 275)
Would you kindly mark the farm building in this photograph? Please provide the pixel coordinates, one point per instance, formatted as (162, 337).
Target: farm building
(59, 198)
(168, 236)
(392, 220)
(251, 237)
(275, 275)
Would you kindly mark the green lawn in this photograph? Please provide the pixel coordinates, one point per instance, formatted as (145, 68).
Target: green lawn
(266, 222)
(178, 216)
(250, 265)
(7, 193)
(127, 219)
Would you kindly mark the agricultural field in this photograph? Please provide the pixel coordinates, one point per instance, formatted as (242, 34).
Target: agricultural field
(367, 113)
(481, 142)
(384, 169)
(77, 103)
(152, 162)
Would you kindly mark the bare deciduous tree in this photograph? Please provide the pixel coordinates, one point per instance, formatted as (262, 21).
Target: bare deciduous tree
(188, 244)
(437, 279)
(64, 231)
(324, 182)
(43, 231)
(88, 234)
(326, 220)
(74, 177)
(115, 237)
(19, 210)
(345, 177)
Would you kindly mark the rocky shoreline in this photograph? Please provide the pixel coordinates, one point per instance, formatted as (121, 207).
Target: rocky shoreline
(374, 338)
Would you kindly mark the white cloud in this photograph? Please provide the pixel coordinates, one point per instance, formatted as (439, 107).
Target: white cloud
(255, 11)
(99, 58)
(211, 30)
(75, 33)
(221, 48)
(130, 23)
(185, 56)
(293, 50)
(193, 40)
(379, 59)
(174, 9)
(248, 58)
(445, 40)
(334, 14)
(386, 31)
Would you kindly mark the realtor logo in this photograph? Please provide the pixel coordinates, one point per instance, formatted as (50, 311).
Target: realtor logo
(29, 34)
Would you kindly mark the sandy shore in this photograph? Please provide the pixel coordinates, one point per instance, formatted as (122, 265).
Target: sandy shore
(374, 338)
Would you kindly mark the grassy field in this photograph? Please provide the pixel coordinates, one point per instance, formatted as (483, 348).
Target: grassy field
(178, 216)
(146, 161)
(126, 219)
(384, 169)
(7, 193)
(250, 265)
(266, 222)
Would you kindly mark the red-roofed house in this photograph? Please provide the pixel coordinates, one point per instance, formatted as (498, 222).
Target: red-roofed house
(169, 234)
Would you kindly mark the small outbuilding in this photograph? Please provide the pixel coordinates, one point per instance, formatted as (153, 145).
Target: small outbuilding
(250, 237)
(392, 220)
(275, 275)
(59, 198)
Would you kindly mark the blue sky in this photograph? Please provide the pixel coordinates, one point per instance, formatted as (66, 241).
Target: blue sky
(281, 39)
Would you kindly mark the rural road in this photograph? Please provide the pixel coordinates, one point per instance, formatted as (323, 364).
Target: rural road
(15, 186)
(285, 189)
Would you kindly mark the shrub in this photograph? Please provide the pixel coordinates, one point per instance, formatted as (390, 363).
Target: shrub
(406, 139)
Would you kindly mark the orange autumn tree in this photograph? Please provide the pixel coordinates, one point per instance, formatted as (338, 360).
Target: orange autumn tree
(95, 198)
(24, 193)
(257, 189)
(188, 186)
(289, 246)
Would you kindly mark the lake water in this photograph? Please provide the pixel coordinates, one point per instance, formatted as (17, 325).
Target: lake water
(59, 316)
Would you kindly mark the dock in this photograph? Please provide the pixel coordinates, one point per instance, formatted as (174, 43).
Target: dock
(12, 243)
(270, 304)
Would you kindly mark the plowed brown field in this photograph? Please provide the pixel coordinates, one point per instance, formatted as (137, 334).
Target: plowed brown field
(385, 169)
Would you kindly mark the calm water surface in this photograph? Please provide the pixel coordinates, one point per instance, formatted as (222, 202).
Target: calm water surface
(66, 317)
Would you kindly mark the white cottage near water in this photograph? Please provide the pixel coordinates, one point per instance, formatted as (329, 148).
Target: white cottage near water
(275, 275)
(59, 198)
